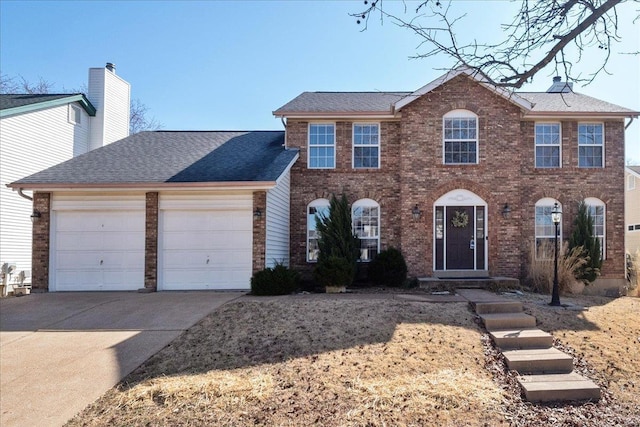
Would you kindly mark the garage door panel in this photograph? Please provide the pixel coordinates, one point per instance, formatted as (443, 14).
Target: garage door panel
(99, 250)
(190, 238)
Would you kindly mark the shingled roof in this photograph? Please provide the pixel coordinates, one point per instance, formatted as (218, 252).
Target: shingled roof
(353, 104)
(16, 103)
(173, 157)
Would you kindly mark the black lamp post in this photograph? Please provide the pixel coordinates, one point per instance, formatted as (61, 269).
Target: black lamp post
(556, 216)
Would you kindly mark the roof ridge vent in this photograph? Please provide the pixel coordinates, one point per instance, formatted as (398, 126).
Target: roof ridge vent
(559, 86)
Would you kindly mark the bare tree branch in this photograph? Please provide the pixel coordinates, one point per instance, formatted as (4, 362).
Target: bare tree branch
(543, 32)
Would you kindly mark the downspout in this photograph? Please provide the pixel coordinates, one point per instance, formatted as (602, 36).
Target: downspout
(629, 124)
(284, 123)
(24, 195)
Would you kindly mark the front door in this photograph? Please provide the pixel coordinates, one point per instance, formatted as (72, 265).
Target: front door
(460, 238)
(460, 249)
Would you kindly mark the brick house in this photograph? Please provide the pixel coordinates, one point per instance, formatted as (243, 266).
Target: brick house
(459, 175)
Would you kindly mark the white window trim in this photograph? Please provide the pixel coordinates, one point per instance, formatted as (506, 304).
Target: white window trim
(314, 204)
(631, 182)
(591, 145)
(369, 203)
(353, 144)
(335, 151)
(592, 201)
(559, 145)
(71, 114)
(461, 114)
(543, 203)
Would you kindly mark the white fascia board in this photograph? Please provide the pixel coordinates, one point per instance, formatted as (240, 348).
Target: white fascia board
(632, 172)
(188, 186)
(338, 115)
(550, 115)
(288, 168)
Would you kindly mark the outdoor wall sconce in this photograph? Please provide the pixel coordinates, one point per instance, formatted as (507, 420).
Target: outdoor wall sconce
(416, 212)
(257, 214)
(35, 216)
(506, 211)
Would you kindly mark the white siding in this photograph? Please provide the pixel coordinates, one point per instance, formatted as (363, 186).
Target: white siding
(278, 208)
(29, 143)
(111, 96)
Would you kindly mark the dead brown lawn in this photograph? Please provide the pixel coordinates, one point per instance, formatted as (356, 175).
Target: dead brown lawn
(345, 361)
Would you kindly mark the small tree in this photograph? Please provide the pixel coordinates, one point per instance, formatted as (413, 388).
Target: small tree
(582, 236)
(336, 237)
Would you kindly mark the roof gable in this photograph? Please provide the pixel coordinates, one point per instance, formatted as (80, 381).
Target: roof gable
(11, 104)
(508, 95)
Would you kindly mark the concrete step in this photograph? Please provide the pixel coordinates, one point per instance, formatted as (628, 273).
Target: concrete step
(503, 321)
(498, 307)
(554, 387)
(522, 339)
(539, 361)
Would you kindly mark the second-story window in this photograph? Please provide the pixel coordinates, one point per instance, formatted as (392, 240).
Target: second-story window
(366, 145)
(460, 139)
(590, 145)
(547, 145)
(322, 146)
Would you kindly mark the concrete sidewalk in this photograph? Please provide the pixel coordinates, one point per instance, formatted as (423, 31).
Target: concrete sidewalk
(60, 352)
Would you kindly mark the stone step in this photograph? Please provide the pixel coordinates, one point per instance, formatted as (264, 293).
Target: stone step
(512, 339)
(539, 361)
(555, 387)
(498, 307)
(498, 321)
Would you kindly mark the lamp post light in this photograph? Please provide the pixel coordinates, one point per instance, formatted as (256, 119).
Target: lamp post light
(556, 216)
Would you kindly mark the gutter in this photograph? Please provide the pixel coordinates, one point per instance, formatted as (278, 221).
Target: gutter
(147, 186)
(629, 124)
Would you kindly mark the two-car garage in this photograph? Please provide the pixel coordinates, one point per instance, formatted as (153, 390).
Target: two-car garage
(98, 243)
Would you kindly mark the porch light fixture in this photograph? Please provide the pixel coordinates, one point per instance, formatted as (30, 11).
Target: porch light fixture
(506, 211)
(35, 216)
(416, 212)
(257, 214)
(556, 216)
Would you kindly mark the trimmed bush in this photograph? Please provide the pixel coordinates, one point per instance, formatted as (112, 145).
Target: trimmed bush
(278, 280)
(333, 271)
(388, 268)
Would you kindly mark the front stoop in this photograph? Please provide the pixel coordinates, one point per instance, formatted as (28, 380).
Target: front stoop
(539, 361)
(545, 373)
(547, 388)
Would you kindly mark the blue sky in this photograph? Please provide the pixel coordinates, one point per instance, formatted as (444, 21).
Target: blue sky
(217, 65)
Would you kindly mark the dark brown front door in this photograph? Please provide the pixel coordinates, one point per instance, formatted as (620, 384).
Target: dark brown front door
(460, 237)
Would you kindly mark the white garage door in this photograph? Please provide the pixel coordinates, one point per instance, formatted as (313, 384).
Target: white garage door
(99, 250)
(206, 249)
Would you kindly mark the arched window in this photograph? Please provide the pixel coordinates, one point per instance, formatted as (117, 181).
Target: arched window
(597, 210)
(545, 228)
(460, 137)
(317, 207)
(365, 217)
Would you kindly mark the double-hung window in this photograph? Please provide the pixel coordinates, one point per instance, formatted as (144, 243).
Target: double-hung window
(545, 229)
(317, 208)
(366, 145)
(460, 137)
(365, 219)
(590, 145)
(597, 211)
(322, 146)
(548, 145)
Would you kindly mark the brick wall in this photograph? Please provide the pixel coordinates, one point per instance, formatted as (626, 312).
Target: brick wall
(40, 247)
(412, 172)
(259, 231)
(151, 242)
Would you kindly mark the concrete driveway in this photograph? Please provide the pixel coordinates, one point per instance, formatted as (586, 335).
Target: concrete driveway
(61, 351)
